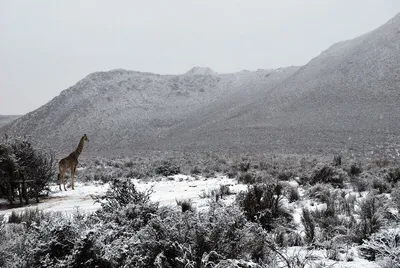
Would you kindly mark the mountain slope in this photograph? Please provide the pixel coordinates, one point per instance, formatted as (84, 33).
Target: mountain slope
(347, 98)
(123, 110)
(6, 119)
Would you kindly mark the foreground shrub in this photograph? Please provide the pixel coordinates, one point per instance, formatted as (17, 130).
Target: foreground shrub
(262, 204)
(29, 217)
(309, 225)
(393, 176)
(383, 246)
(20, 163)
(372, 212)
(381, 185)
(176, 239)
(122, 191)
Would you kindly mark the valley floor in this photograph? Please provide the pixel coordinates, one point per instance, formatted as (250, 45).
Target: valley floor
(167, 191)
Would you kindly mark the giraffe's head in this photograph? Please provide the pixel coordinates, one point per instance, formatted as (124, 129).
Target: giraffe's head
(85, 138)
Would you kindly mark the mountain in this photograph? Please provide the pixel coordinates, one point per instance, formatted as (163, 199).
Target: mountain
(345, 99)
(6, 119)
(124, 110)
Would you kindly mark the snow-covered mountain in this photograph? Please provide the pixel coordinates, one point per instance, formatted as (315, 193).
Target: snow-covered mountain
(6, 119)
(346, 98)
(123, 110)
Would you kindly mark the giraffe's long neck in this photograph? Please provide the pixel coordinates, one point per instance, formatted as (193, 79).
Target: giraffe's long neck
(79, 149)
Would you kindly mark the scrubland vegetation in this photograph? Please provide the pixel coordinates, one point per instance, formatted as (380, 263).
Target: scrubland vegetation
(298, 211)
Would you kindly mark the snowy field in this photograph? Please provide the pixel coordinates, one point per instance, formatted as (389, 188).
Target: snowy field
(166, 191)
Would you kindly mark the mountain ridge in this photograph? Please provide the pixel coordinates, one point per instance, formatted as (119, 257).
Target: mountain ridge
(345, 99)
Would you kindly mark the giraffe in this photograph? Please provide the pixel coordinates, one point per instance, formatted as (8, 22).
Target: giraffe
(70, 162)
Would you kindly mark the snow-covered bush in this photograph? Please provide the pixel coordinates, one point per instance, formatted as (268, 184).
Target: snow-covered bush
(167, 168)
(20, 162)
(262, 203)
(309, 225)
(383, 246)
(371, 211)
(327, 174)
(293, 194)
(395, 194)
(355, 169)
(122, 191)
(393, 176)
(30, 217)
(381, 185)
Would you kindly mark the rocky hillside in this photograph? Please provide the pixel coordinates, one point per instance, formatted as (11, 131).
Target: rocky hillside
(6, 119)
(346, 99)
(123, 110)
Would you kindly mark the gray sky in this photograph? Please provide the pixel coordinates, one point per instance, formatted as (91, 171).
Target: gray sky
(48, 46)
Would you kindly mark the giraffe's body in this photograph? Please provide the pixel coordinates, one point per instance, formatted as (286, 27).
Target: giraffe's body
(70, 162)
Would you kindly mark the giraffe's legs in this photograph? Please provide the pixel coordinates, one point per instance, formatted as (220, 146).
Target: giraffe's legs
(59, 180)
(73, 169)
(63, 180)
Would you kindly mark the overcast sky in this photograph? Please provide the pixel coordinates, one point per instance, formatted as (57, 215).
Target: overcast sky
(48, 46)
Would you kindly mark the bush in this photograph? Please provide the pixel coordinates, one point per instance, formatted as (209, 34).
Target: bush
(247, 178)
(21, 163)
(355, 169)
(372, 214)
(293, 194)
(395, 194)
(122, 191)
(383, 246)
(361, 184)
(381, 185)
(262, 203)
(167, 169)
(186, 205)
(28, 217)
(327, 174)
(337, 160)
(393, 176)
(309, 225)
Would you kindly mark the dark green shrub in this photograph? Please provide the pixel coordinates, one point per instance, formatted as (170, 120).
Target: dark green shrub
(355, 169)
(262, 204)
(20, 162)
(393, 176)
(122, 191)
(337, 160)
(247, 178)
(293, 194)
(361, 184)
(166, 168)
(381, 185)
(372, 214)
(186, 205)
(327, 174)
(309, 225)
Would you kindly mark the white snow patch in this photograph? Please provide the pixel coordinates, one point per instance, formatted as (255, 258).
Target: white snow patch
(166, 192)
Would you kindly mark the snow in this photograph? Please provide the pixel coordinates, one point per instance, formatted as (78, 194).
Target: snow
(183, 187)
(166, 191)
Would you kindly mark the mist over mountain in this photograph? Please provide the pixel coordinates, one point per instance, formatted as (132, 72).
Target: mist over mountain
(347, 98)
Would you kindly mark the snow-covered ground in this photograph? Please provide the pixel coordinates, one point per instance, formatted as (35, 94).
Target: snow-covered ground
(166, 192)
